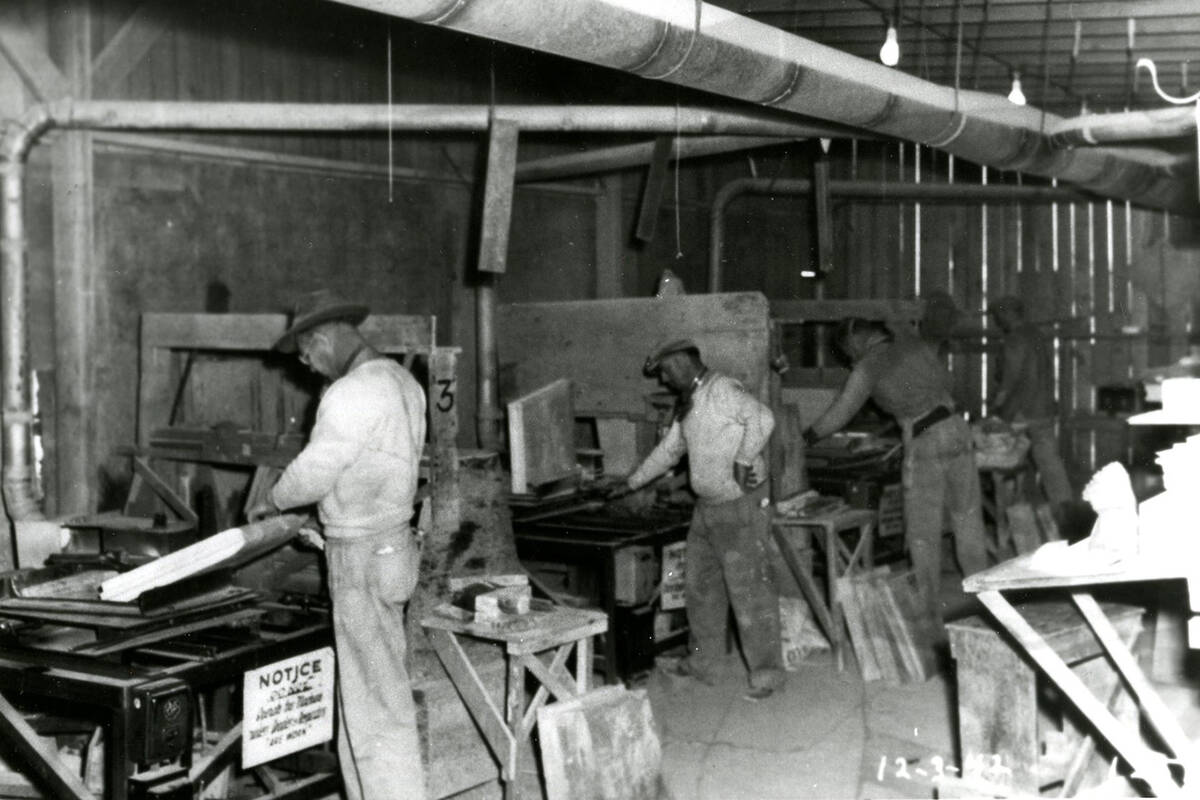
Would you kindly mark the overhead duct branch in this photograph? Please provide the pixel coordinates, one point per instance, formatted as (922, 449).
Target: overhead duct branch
(1124, 126)
(705, 47)
(17, 473)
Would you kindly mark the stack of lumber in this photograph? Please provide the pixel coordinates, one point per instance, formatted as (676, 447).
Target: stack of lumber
(225, 549)
(890, 623)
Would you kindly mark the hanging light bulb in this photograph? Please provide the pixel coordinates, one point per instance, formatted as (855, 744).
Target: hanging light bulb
(1016, 95)
(889, 54)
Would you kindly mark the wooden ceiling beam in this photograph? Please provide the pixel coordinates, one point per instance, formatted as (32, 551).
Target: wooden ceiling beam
(836, 13)
(127, 48)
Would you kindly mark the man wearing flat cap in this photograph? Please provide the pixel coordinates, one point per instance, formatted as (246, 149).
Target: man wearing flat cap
(360, 469)
(1025, 394)
(723, 429)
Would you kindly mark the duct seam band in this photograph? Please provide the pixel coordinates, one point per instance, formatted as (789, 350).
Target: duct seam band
(687, 53)
(654, 51)
(789, 84)
(441, 15)
(958, 122)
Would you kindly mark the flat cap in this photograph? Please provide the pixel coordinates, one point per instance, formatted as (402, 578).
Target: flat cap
(655, 359)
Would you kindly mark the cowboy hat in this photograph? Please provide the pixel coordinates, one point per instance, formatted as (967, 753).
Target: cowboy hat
(315, 308)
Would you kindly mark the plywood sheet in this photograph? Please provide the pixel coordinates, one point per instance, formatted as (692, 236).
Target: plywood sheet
(600, 345)
(541, 436)
(602, 745)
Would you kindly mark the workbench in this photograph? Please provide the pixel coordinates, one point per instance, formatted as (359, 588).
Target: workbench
(1075, 573)
(591, 543)
(144, 696)
(545, 630)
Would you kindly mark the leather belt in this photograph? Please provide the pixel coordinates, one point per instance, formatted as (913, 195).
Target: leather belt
(929, 420)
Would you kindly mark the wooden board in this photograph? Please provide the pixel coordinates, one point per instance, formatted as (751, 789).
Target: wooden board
(601, 745)
(600, 345)
(541, 437)
(1023, 527)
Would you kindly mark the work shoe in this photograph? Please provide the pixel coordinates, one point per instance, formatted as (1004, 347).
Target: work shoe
(757, 694)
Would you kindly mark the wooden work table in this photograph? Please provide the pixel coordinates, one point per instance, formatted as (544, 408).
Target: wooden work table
(1075, 571)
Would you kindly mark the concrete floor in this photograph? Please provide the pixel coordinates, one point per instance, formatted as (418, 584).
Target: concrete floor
(823, 737)
(828, 735)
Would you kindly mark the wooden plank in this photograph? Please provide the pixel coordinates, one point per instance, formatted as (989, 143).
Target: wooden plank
(557, 665)
(602, 744)
(1150, 766)
(390, 333)
(875, 625)
(1163, 720)
(165, 492)
(498, 196)
(797, 311)
(44, 761)
(823, 215)
(29, 58)
(852, 612)
(556, 680)
(541, 437)
(808, 588)
(126, 49)
(652, 192)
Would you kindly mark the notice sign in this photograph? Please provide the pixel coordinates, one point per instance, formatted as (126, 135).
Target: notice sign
(287, 706)
(674, 564)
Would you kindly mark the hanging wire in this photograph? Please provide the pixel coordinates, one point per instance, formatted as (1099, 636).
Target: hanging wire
(924, 70)
(1074, 58)
(1045, 68)
(978, 47)
(678, 158)
(390, 150)
(958, 52)
(1130, 71)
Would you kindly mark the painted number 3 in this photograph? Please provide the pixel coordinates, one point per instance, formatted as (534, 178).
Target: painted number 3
(445, 401)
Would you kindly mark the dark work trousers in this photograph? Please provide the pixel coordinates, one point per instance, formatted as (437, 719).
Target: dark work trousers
(727, 565)
(371, 577)
(940, 479)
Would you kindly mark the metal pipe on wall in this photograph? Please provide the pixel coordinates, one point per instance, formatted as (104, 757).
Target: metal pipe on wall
(16, 471)
(867, 190)
(706, 47)
(487, 412)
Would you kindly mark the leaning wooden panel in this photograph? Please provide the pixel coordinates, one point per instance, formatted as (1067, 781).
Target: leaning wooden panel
(601, 745)
(600, 345)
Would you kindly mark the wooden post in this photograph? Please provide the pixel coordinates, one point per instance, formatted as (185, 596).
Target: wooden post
(78, 342)
(823, 214)
(609, 272)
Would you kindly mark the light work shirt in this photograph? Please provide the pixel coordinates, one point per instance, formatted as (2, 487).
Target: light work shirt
(362, 459)
(726, 424)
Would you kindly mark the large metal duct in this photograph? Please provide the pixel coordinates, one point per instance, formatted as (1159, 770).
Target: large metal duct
(695, 44)
(16, 473)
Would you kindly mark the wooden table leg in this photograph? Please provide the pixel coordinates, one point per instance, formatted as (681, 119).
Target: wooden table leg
(583, 664)
(514, 710)
(808, 588)
(832, 573)
(1148, 766)
(1156, 710)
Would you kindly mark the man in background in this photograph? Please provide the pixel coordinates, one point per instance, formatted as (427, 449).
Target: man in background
(1025, 395)
(360, 468)
(906, 379)
(723, 429)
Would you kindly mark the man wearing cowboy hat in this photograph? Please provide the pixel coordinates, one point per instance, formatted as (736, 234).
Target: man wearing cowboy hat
(723, 429)
(360, 469)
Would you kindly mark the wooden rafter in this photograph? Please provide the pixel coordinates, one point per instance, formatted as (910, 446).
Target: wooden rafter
(128, 47)
(31, 61)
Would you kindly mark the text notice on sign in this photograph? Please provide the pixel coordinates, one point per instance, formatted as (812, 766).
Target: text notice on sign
(287, 706)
